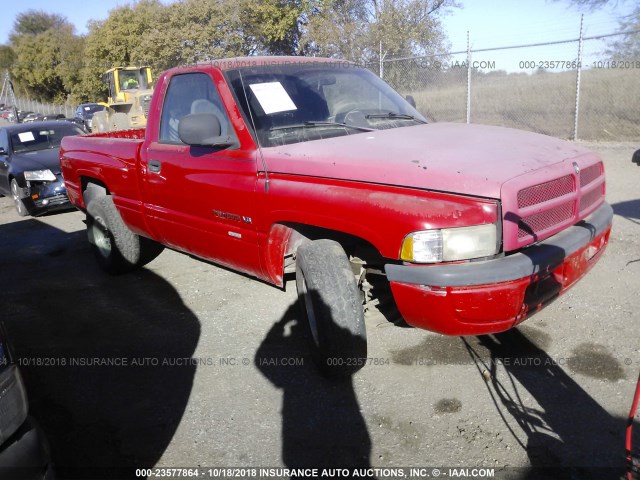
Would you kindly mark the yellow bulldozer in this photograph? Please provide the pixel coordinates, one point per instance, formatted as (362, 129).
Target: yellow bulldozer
(130, 90)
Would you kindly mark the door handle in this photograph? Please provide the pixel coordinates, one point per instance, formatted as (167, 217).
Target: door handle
(154, 166)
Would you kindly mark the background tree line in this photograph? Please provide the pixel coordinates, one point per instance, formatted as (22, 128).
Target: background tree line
(50, 62)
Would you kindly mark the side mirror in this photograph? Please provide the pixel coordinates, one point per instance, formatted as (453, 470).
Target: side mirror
(636, 158)
(3, 151)
(202, 130)
(410, 100)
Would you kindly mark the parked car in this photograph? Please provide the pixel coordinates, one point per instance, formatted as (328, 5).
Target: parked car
(53, 116)
(33, 117)
(84, 114)
(279, 165)
(22, 114)
(24, 451)
(636, 157)
(30, 165)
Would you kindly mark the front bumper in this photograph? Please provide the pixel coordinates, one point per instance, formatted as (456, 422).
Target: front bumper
(25, 455)
(477, 298)
(45, 197)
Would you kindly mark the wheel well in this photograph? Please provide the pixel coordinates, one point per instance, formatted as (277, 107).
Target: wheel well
(353, 245)
(285, 238)
(13, 177)
(92, 188)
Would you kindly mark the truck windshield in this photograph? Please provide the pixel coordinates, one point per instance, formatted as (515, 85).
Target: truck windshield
(293, 103)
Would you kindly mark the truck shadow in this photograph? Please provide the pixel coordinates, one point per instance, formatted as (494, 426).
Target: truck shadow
(322, 424)
(629, 210)
(567, 434)
(106, 360)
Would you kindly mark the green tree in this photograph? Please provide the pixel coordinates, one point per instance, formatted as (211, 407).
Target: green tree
(196, 30)
(46, 51)
(163, 36)
(7, 57)
(116, 42)
(356, 29)
(278, 26)
(34, 22)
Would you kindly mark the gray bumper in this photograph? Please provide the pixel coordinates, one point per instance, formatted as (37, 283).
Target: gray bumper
(541, 257)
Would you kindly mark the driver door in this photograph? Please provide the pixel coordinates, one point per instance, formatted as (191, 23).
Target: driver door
(199, 199)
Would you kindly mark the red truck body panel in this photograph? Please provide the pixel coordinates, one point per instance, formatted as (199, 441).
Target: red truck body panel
(378, 186)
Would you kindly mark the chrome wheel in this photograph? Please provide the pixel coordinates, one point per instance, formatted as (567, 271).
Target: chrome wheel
(101, 237)
(17, 199)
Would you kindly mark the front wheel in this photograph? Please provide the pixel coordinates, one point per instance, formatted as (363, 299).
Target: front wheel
(117, 249)
(331, 304)
(17, 199)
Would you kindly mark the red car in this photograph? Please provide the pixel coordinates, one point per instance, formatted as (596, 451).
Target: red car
(273, 165)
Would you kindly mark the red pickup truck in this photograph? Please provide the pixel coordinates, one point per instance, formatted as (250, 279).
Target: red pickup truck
(275, 165)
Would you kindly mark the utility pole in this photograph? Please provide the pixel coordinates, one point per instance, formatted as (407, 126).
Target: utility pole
(577, 111)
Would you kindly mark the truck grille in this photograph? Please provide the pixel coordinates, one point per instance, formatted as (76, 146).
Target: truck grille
(589, 199)
(589, 174)
(542, 221)
(545, 191)
(542, 210)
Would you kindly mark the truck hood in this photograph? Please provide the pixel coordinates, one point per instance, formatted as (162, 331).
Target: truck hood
(449, 157)
(38, 160)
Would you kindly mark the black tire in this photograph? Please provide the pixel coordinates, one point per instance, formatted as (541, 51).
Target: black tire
(17, 200)
(636, 157)
(117, 249)
(331, 305)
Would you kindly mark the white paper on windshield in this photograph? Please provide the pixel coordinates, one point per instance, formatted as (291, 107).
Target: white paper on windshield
(26, 137)
(273, 97)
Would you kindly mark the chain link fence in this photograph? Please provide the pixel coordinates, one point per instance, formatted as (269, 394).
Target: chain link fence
(28, 105)
(568, 89)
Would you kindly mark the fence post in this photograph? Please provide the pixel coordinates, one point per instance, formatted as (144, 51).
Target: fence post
(577, 110)
(468, 79)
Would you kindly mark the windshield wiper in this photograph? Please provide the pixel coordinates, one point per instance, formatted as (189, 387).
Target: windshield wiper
(322, 124)
(395, 116)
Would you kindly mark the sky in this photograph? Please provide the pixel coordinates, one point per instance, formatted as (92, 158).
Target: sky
(491, 23)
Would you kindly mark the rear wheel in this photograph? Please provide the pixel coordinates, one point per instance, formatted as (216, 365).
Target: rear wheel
(117, 249)
(331, 305)
(16, 193)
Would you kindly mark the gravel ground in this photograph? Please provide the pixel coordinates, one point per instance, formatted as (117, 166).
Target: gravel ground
(209, 368)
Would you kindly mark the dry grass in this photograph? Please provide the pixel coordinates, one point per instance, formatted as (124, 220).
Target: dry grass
(545, 103)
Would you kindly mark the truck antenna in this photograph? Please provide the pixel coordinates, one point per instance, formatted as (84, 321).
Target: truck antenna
(253, 124)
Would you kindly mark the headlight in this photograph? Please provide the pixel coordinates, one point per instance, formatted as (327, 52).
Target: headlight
(450, 244)
(39, 176)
